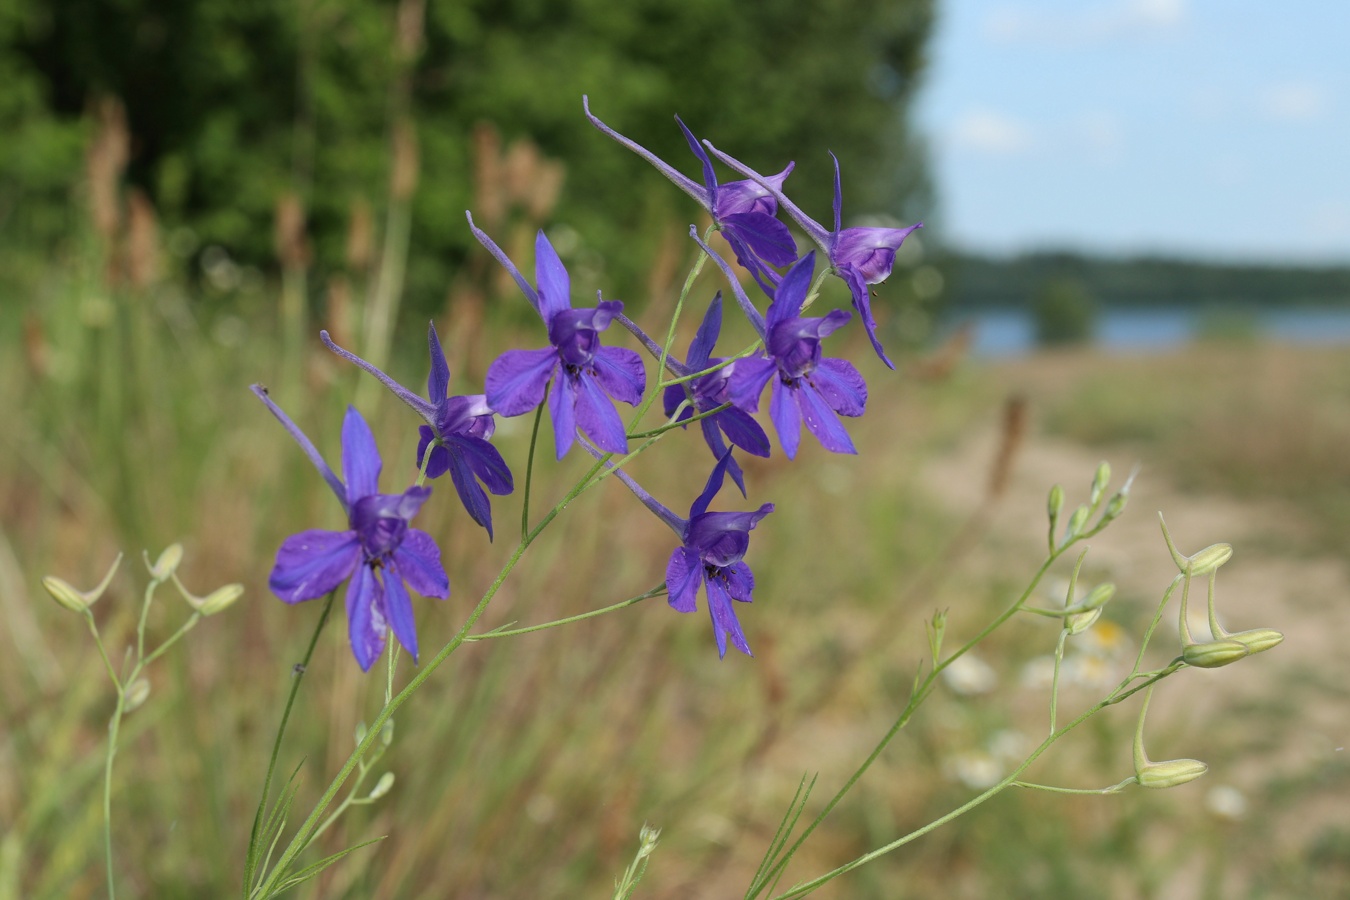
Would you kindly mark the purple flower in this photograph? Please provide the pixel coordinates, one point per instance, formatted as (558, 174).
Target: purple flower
(709, 392)
(743, 210)
(860, 256)
(711, 552)
(379, 552)
(806, 387)
(581, 370)
(458, 430)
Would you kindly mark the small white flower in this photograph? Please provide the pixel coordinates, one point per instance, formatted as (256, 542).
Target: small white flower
(970, 676)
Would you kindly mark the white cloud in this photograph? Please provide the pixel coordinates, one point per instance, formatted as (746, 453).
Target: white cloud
(1086, 24)
(991, 133)
(1292, 101)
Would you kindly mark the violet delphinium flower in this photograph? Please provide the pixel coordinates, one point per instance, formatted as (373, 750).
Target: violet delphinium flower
(742, 210)
(582, 371)
(709, 392)
(860, 256)
(379, 552)
(711, 554)
(457, 430)
(806, 386)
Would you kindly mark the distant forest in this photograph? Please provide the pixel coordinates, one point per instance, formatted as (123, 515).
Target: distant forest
(976, 282)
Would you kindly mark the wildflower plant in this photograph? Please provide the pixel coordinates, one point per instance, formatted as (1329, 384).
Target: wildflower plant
(383, 559)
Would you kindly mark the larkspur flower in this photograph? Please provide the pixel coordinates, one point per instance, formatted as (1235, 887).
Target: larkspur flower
(379, 552)
(744, 211)
(860, 256)
(457, 431)
(709, 392)
(711, 555)
(806, 386)
(581, 370)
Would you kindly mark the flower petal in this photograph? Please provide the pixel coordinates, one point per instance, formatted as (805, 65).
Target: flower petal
(822, 422)
(419, 562)
(360, 457)
(751, 313)
(621, 373)
(555, 285)
(841, 386)
(740, 581)
(791, 293)
(786, 416)
(725, 623)
(684, 571)
(712, 435)
(440, 457)
(748, 377)
(312, 563)
(671, 399)
(862, 302)
(750, 196)
(773, 184)
(768, 238)
(438, 382)
(398, 609)
(714, 484)
(743, 431)
(870, 250)
(598, 418)
(517, 380)
(366, 625)
(486, 462)
(562, 409)
(705, 339)
(709, 179)
(470, 494)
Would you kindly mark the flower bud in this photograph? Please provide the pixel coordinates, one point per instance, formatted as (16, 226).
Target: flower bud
(1054, 504)
(1210, 558)
(167, 563)
(1076, 523)
(136, 694)
(1099, 482)
(219, 599)
(66, 595)
(1077, 623)
(1257, 639)
(1213, 654)
(387, 733)
(382, 786)
(1170, 773)
(1096, 598)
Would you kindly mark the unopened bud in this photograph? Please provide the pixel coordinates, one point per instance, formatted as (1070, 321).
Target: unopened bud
(387, 733)
(1097, 597)
(1213, 654)
(76, 600)
(1054, 504)
(1170, 773)
(1099, 482)
(1077, 623)
(1257, 639)
(647, 839)
(167, 563)
(1210, 558)
(136, 694)
(1076, 523)
(219, 599)
(382, 786)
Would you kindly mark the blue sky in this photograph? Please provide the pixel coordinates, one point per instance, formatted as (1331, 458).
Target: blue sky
(1211, 128)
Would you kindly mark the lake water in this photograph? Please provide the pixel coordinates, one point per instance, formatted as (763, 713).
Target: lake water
(1012, 333)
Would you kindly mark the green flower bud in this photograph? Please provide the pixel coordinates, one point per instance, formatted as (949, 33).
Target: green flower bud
(1054, 505)
(75, 600)
(219, 599)
(1257, 639)
(1096, 598)
(1099, 482)
(387, 733)
(1077, 623)
(135, 695)
(1213, 654)
(1076, 523)
(382, 786)
(1210, 558)
(167, 563)
(1170, 773)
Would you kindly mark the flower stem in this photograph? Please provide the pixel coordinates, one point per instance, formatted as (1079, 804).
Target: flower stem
(251, 864)
(114, 726)
(529, 465)
(631, 601)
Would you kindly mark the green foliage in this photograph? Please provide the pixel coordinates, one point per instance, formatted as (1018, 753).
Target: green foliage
(1064, 313)
(230, 105)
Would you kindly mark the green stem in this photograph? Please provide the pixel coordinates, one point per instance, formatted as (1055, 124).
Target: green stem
(145, 614)
(251, 864)
(672, 425)
(529, 465)
(302, 836)
(114, 727)
(159, 651)
(631, 601)
(1054, 682)
(102, 651)
(1113, 789)
(802, 890)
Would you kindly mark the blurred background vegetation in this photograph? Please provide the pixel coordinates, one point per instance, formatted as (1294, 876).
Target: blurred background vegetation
(189, 190)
